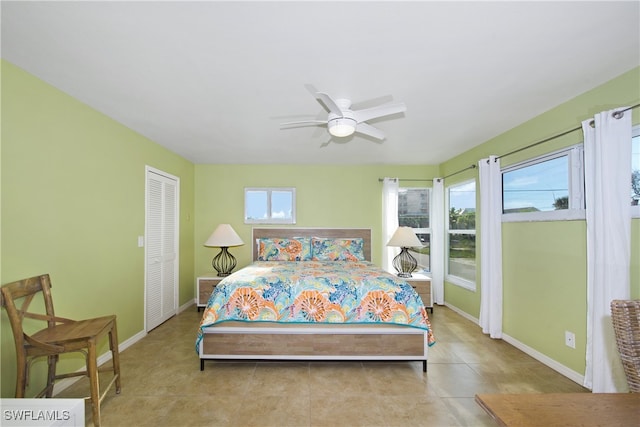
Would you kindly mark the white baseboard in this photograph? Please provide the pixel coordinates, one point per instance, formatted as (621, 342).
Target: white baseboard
(187, 305)
(545, 360)
(103, 358)
(462, 313)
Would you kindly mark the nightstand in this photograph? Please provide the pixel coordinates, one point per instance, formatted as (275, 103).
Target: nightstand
(422, 284)
(205, 287)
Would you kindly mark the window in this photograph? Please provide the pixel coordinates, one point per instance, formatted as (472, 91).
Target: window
(549, 187)
(414, 206)
(635, 172)
(461, 233)
(270, 205)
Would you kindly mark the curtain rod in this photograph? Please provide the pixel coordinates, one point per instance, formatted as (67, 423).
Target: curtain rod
(407, 179)
(457, 172)
(448, 176)
(616, 114)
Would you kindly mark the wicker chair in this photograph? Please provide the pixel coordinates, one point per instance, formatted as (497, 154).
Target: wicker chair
(625, 315)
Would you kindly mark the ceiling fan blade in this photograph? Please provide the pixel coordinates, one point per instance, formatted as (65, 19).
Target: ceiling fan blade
(373, 102)
(375, 112)
(369, 130)
(304, 123)
(329, 103)
(312, 89)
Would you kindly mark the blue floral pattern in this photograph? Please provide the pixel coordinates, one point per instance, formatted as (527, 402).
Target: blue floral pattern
(315, 291)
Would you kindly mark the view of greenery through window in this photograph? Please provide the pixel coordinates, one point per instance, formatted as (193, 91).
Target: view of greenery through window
(413, 211)
(462, 231)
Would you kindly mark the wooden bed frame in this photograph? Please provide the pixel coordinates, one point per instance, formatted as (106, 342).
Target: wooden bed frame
(273, 341)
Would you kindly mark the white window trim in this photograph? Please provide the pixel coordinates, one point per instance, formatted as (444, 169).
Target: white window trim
(463, 283)
(270, 220)
(450, 278)
(576, 209)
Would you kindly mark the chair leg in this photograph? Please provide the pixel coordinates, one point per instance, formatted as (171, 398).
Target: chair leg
(92, 370)
(21, 377)
(51, 376)
(115, 355)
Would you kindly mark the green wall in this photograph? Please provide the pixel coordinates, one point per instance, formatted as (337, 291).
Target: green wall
(73, 191)
(544, 263)
(72, 185)
(327, 196)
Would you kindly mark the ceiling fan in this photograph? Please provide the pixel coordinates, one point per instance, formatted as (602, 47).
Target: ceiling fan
(343, 121)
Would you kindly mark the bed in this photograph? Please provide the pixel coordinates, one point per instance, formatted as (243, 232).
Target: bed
(294, 303)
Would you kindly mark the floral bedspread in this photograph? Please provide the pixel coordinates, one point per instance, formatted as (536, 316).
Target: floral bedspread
(317, 292)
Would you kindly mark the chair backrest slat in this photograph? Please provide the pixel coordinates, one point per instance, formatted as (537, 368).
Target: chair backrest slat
(24, 291)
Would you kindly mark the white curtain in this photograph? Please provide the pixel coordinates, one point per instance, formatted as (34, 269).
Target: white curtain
(389, 219)
(607, 148)
(437, 241)
(491, 246)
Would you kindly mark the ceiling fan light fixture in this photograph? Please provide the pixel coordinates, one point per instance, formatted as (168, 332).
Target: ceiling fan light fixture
(342, 127)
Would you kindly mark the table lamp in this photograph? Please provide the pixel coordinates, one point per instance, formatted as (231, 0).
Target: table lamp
(404, 262)
(224, 237)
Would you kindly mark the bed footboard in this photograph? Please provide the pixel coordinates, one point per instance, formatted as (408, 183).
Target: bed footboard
(313, 342)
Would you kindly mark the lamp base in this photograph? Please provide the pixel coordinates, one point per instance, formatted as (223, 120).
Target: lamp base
(404, 275)
(224, 262)
(405, 263)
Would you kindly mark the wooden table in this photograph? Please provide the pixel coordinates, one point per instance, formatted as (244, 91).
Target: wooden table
(563, 409)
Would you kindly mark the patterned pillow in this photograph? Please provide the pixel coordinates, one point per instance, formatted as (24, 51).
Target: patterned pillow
(337, 249)
(276, 249)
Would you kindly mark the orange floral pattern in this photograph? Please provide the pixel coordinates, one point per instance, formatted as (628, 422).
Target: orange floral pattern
(247, 302)
(316, 291)
(378, 306)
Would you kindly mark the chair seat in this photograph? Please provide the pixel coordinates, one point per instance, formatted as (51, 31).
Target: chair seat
(75, 334)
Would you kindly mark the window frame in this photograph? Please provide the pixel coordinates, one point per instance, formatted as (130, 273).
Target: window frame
(270, 219)
(635, 132)
(576, 211)
(451, 278)
(427, 230)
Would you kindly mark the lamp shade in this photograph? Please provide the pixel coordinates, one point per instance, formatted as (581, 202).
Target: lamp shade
(224, 236)
(404, 237)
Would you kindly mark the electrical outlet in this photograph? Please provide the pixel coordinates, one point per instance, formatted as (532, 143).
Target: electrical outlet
(570, 339)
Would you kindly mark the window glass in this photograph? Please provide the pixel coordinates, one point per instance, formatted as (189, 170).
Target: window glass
(281, 204)
(269, 205)
(462, 256)
(635, 168)
(542, 186)
(461, 229)
(414, 206)
(546, 188)
(255, 205)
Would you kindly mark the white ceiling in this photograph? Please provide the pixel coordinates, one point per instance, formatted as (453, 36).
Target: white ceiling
(212, 80)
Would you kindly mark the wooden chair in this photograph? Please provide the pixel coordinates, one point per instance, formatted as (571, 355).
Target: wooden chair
(625, 315)
(58, 337)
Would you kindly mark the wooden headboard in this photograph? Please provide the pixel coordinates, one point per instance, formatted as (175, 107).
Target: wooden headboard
(291, 232)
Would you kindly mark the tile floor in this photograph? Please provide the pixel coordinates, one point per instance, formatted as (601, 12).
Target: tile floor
(162, 384)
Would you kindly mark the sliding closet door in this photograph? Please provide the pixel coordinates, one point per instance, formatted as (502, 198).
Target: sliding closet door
(161, 254)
